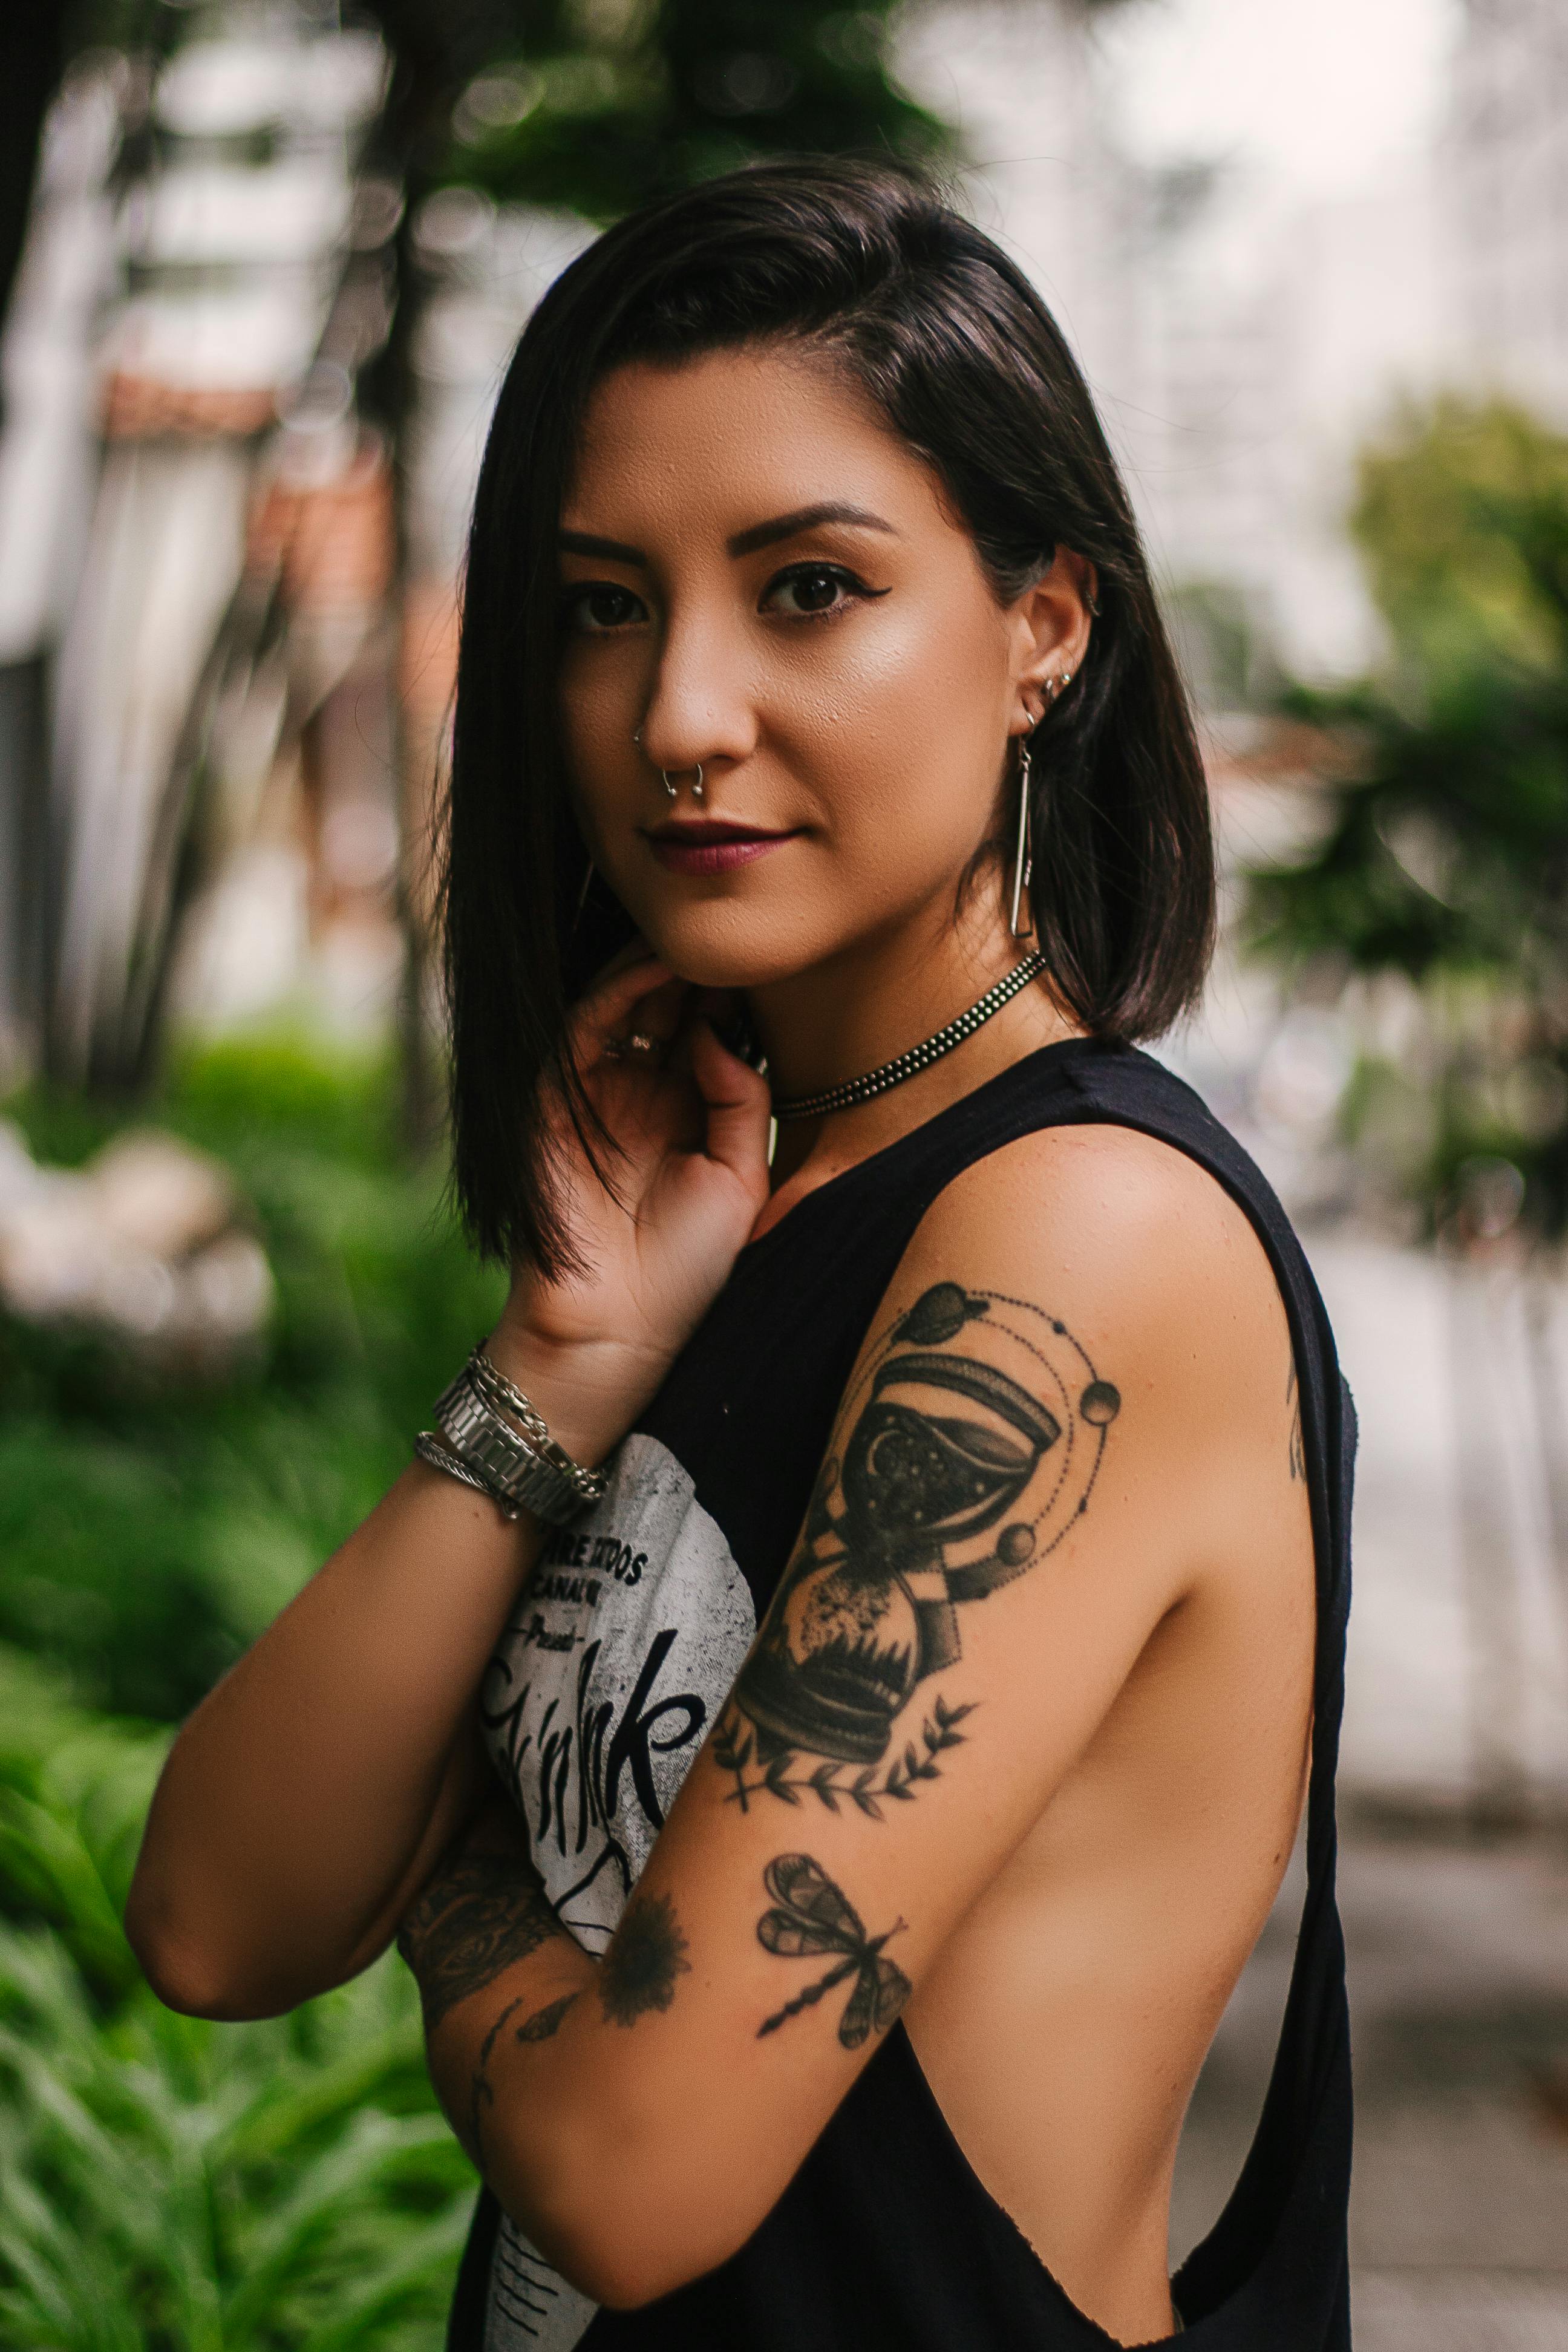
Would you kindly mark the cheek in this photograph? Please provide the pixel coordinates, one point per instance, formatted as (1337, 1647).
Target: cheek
(597, 706)
(909, 722)
(587, 710)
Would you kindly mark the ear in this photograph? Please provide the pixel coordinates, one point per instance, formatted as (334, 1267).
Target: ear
(1049, 626)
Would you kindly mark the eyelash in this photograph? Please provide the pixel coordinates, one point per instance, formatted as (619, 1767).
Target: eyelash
(839, 572)
(856, 588)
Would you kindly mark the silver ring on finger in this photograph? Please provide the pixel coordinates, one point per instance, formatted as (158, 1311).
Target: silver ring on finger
(642, 1047)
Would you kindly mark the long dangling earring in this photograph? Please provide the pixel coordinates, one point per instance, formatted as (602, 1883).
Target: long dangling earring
(1023, 862)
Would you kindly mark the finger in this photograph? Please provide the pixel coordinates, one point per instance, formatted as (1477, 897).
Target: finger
(736, 1098)
(661, 1012)
(600, 1013)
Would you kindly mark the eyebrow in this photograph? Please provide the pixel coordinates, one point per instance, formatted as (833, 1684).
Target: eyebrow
(745, 542)
(789, 526)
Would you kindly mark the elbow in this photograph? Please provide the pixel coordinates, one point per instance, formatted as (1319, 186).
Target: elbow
(184, 1983)
(624, 2253)
(626, 2275)
(183, 1970)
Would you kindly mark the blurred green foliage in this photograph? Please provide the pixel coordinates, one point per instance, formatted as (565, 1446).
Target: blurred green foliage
(1444, 860)
(597, 105)
(1458, 516)
(169, 2185)
(150, 1530)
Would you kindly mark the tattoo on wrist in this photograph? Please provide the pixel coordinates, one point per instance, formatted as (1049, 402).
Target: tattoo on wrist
(483, 1910)
(811, 1916)
(645, 1956)
(967, 1450)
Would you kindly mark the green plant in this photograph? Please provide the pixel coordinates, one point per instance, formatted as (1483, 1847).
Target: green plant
(597, 105)
(150, 1528)
(1456, 517)
(170, 2185)
(1444, 858)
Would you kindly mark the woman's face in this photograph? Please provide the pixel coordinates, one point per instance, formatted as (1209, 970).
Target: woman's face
(759, 578)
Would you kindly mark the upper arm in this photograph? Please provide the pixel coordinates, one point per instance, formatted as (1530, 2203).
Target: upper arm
(1019, 1486)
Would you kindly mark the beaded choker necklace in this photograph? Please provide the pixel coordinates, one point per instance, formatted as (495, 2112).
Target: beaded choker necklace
(919, 1057)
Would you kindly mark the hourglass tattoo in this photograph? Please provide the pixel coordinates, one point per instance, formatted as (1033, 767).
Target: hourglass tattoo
(974, 1438)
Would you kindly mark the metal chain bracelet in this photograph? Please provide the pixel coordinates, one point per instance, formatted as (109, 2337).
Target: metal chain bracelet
(430, 1449)
(504, 1444)
(506, 1397)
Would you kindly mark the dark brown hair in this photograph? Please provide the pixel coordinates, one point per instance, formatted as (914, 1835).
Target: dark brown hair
(868, 265)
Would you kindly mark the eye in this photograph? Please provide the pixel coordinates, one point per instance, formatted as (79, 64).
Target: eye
(599, 607)
(808, 589)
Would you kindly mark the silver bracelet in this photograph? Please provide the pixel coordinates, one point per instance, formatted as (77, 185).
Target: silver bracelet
(531, 1470)
(429, 1448)
(510, 1402)
(504, 1393)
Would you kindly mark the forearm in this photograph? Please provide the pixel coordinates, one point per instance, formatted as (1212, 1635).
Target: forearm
(311, 1794)
(490, 1960)
(528, 2052)
(561, 2071)
(298, 1794)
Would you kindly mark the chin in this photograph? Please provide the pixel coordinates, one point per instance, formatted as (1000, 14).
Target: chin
(726, 945)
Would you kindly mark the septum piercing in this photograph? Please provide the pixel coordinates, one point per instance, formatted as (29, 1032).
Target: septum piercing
(672, 789)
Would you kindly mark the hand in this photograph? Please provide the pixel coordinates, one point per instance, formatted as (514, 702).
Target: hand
(688, 1183)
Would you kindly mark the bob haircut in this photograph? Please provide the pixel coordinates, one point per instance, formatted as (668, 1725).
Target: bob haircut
(865, 265)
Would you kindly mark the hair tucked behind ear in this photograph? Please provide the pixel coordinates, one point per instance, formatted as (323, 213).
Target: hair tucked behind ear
(927, 316)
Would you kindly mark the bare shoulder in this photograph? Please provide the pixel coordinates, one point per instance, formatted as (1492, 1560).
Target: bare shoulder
(1135, 1255)
(1106, 1208)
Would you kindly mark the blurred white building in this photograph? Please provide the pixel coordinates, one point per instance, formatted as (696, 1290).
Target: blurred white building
(1243, 350)
(1508, 198)
(1237, 359)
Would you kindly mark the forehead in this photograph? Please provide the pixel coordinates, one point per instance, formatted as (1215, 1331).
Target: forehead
(722, 441)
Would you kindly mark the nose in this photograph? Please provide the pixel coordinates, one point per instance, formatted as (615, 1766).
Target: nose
(702, 712)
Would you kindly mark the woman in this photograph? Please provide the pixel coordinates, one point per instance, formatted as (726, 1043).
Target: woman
(826, 1711)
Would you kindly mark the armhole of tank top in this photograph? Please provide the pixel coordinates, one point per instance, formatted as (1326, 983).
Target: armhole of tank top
(1223, 2116)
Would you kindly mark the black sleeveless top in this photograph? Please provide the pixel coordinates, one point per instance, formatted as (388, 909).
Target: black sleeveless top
(618, 1657)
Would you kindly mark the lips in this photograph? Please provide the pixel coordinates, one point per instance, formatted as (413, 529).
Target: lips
(711, 845)
(698, 832)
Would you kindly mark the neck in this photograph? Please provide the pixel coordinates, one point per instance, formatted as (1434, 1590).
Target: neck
(877, 997)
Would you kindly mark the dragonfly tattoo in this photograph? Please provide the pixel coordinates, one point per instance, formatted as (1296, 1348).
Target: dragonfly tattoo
(811, 1916)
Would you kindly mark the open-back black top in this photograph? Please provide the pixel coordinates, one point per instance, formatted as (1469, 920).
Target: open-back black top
(618, 1657)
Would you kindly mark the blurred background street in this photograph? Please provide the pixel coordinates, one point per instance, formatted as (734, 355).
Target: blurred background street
(262, 263)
